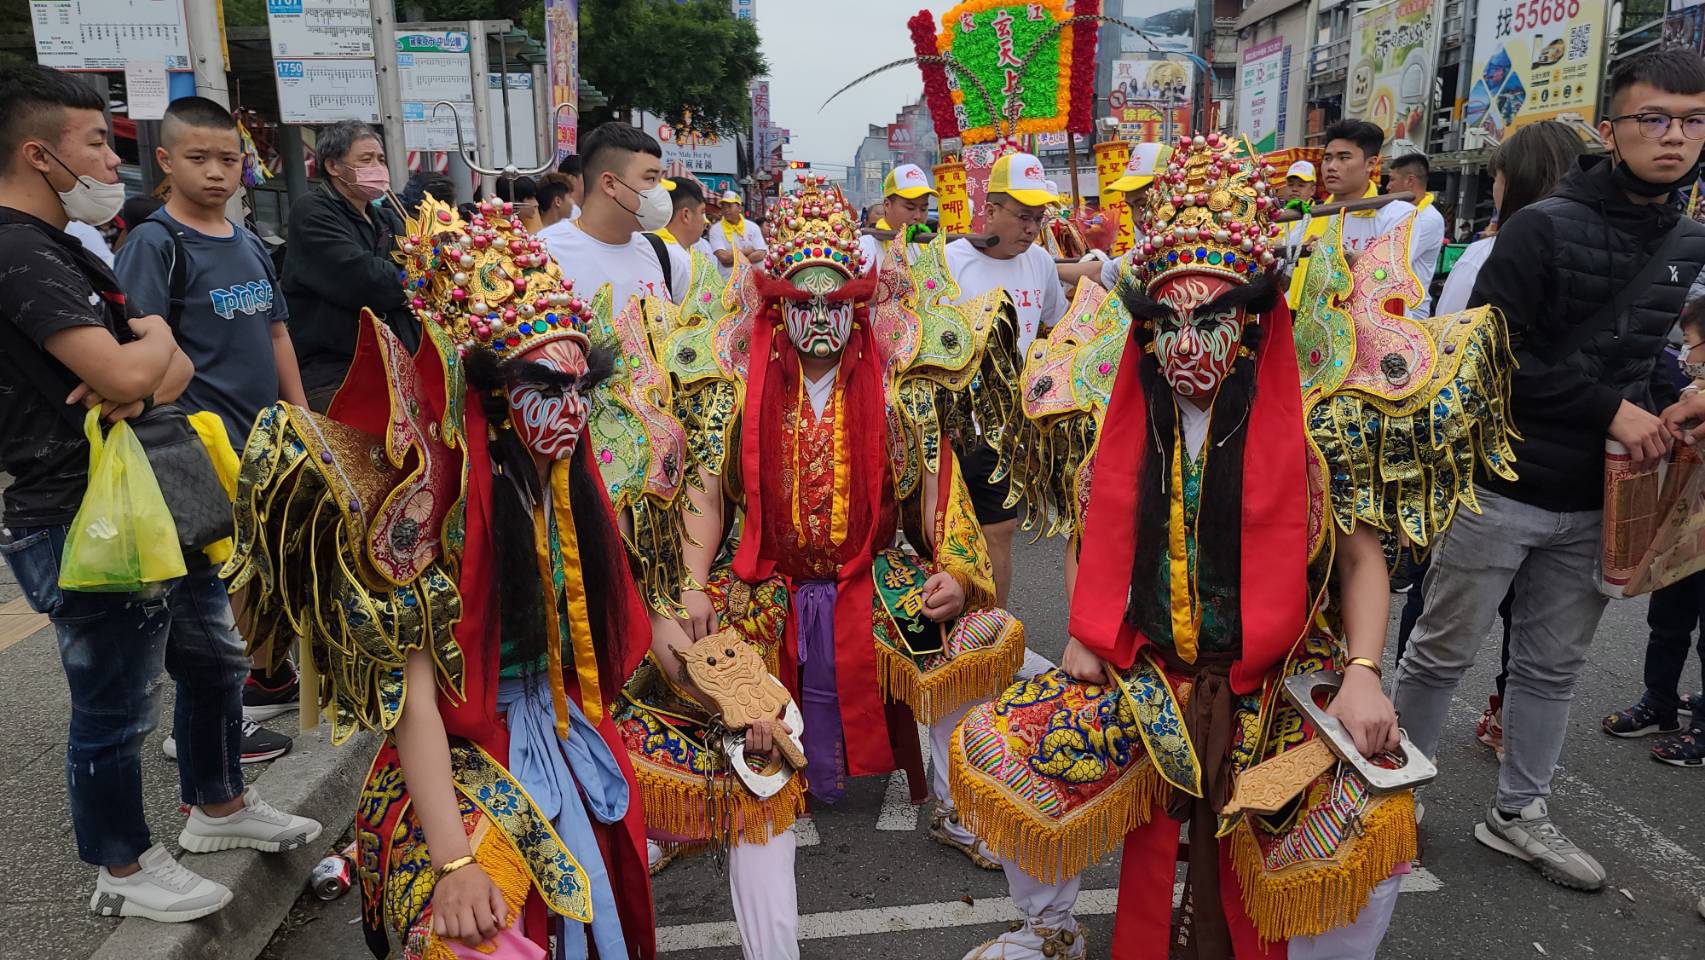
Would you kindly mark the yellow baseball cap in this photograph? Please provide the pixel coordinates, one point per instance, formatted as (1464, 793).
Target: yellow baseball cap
(1019, 176)
(907, 180)
(729, 196)
(1302, 170)
(1147, 159)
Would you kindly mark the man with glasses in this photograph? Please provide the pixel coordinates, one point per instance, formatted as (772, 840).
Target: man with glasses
(1014, 214)
(1589, 280)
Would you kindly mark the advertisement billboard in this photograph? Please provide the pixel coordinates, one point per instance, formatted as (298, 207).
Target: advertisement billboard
(562, 40)
(1391, 70)
(1535, 60)
(1263, 82)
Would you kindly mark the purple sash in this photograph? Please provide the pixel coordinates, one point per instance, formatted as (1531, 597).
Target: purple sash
(825, 750)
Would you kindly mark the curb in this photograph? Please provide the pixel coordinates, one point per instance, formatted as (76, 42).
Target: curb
(314, 780)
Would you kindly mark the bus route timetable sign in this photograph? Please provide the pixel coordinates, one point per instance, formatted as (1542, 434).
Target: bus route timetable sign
(107, 34)
(319, 28)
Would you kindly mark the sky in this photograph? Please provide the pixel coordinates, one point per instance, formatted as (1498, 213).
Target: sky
(815, 47)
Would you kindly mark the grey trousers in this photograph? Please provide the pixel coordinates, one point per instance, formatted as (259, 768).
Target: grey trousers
(1552, 558)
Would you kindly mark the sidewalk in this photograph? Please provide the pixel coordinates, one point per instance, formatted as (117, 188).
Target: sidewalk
(44, 901)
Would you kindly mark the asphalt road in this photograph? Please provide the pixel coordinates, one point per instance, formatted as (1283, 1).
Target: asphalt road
(872, 885)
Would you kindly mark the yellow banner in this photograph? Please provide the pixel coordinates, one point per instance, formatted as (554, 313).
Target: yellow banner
(954, 197)
(1110, 159)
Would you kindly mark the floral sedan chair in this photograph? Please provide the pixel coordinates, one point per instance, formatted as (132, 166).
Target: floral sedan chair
(1257, 457)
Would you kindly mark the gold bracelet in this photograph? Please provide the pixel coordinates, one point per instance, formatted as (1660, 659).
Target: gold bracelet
(1365, 662)
(455, 865)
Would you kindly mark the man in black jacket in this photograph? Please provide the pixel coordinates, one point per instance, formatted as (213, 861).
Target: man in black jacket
(339, 259)
(1590, 280)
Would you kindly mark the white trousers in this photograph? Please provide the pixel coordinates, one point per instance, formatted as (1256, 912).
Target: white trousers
(766, 900)
(1049, 904)
(1356, 941)
(940, 742)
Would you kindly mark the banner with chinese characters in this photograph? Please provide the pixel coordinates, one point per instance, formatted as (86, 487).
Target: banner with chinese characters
(1535, 60)
(953, 198)
(562, 41)
(1110, 159)
(1023, 61)
(1262, 85)
(1391, 70)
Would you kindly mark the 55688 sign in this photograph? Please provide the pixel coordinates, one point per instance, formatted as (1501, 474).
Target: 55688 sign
(1525, 16)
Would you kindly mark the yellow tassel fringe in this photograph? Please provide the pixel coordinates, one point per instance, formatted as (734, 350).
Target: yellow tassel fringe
(1306, 900)
(681, 807)
(967, 678)
(1047, 849)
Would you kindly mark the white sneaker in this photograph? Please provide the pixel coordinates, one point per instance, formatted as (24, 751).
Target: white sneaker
(1531, 836)
(163, 890)
(257, 826)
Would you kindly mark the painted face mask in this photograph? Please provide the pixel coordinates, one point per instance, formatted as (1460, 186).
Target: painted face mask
(1196, 343)
(819, 327)
(549, 416)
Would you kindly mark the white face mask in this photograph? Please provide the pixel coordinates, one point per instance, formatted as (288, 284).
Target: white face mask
(1690, 370)
(88, 200)
(655, 208)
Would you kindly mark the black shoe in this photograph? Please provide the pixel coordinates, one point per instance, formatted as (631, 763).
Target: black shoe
(1640, 720)
(259, 744)
(271, 697)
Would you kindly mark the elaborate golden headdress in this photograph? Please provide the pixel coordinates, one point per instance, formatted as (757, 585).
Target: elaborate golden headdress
(486, 282)
(1210, 211)
(814, 226)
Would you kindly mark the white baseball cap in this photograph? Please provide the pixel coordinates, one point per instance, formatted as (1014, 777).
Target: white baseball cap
(729, 196)
(1302, 170)
(907, 180)
(1146, 160)
(1019, 176)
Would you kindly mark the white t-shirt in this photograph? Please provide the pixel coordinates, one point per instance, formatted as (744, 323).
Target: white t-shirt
(1030, 279)
(750, 237)
(681, 270)
(1425, 242)
(91, 238)
(631, 269)
(1459, 286)
(703, 246)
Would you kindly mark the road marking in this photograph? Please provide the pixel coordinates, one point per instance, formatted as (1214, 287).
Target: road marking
(1634, 835)
(925, 916)
(18, 622)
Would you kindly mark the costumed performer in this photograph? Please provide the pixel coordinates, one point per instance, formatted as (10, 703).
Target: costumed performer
(443, 544)
(814, 400)
(1243, 538)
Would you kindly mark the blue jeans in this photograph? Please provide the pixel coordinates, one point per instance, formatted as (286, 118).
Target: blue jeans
(113, 646)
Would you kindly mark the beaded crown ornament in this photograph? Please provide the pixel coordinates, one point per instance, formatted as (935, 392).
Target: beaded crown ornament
(485, 281)
(814, 227)
(1210, 212)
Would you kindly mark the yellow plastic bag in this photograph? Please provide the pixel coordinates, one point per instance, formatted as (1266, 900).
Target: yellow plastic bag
(123, 537)
(211, 429)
